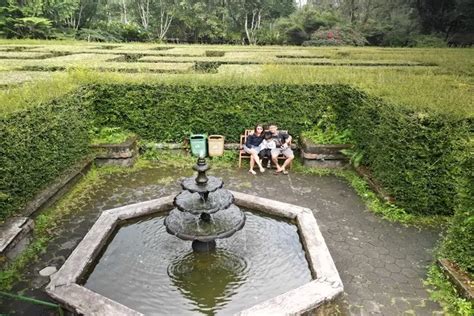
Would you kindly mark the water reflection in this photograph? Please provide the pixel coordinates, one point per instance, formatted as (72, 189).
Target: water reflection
(208, 280)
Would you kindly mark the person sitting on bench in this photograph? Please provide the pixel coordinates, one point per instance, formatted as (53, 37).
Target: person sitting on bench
(266, 147)
(252, 147)
(282, 141)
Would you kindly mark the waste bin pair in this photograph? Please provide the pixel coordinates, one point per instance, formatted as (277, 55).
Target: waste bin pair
(199, 144)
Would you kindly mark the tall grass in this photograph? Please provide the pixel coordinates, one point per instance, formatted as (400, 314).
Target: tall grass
(445, 88)
(36, 93)
(416, 88)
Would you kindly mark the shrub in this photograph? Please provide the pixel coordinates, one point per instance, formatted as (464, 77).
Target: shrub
(417, 156)
(301, 23)
(206, 66)
(214, 53)
(33, 27)
(328, 136)
(444, 292)
(325, 130)
(459, 242)
(295, 35)
(427, 41)
(108, 135)
(37, 145)
(172, 112)
(336, 36)
(116, 31)
(130, 32)
(270, 34)
(93, 35)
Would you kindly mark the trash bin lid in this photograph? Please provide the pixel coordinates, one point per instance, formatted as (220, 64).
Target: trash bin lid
(198, 136)
(216, 137)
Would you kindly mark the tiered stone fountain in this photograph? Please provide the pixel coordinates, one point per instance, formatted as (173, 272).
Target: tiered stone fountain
(204, 211)
(128, 264)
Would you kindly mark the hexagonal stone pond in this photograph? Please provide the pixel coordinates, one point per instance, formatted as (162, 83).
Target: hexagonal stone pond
(149, 270)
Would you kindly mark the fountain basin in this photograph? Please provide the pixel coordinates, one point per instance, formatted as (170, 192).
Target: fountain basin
(222, 224)
(65, 285)
(212, 185)
(193, 202)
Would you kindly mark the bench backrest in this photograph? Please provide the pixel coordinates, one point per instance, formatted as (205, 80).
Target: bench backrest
(243, 137)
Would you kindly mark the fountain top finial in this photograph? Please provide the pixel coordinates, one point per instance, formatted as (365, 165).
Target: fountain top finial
(201, 167)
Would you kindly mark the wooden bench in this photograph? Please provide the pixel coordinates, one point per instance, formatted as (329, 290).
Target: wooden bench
(244, 155)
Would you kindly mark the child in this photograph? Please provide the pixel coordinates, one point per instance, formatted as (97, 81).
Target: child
(268, 143)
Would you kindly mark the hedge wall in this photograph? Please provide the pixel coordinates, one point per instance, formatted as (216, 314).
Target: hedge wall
(172, 112)
(459, 242)
(37, 145)
(416, 156)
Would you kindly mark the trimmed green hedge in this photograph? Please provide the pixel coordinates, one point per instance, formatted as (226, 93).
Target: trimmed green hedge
(172, 112)
(416, 156)
(37, 145)
(459, 242)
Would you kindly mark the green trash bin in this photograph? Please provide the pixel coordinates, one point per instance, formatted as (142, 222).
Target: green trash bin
(198, 145)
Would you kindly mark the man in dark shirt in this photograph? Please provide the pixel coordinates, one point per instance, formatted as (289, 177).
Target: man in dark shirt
(283, 141)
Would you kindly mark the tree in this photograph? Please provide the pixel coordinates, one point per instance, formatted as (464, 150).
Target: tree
(124, 11)
(252, 28)
(59, 11)
(435, 14)
(144, 12)
(34, 18)
(166, 17)
(33, 27)
(299, 26)
(255, 13)
(84, 13)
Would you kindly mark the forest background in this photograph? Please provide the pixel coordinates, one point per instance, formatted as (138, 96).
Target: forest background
(408, 23)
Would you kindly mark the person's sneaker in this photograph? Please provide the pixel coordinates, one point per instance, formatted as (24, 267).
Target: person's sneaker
(252, 172)
(262, 170)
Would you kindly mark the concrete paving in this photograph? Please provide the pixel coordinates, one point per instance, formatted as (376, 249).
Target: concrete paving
(381, 264)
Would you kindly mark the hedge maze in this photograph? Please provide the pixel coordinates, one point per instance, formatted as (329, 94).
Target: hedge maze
(153, 58)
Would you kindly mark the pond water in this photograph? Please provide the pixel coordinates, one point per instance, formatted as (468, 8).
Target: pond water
(146, 269)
